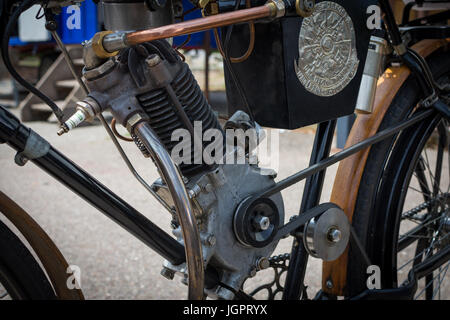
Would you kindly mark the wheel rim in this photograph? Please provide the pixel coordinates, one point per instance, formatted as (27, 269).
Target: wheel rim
(423, 226)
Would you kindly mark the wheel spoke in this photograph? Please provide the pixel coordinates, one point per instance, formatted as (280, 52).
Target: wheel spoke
(431, 282)
(417, 255)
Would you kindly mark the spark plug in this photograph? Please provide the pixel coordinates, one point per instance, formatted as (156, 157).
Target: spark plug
(86, 110)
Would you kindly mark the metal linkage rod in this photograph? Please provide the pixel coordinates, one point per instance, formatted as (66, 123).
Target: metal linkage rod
(289, 181)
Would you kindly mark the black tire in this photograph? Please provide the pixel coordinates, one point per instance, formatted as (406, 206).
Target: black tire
(20, 273)
(380, 197)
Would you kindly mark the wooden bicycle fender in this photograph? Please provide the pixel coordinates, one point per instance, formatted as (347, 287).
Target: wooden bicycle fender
(349, 174)
(49, 255)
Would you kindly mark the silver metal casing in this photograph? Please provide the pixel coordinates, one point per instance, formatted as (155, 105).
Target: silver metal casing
(132, 16)
(372, 70)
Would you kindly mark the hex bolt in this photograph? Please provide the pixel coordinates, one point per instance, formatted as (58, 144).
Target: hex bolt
(194, 191)
(329, 284)
(167, 273)
(261, 222)
(263, 263)
(211, 240)
(334, 235)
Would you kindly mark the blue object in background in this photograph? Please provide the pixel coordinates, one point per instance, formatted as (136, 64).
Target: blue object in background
(197, 39)
(89, 25)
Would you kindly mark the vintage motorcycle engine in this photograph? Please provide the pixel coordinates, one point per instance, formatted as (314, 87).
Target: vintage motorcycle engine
(152, 80)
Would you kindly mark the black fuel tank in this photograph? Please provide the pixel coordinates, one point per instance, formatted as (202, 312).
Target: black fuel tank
(302, 70)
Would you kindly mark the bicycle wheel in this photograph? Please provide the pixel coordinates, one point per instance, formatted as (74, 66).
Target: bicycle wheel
(21, 277)
(402, 210)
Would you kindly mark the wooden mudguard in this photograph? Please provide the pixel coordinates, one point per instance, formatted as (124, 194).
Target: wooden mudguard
(348, 176)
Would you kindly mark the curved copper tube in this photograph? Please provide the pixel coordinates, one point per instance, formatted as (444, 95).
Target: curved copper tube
(251, 44)
(201, 24)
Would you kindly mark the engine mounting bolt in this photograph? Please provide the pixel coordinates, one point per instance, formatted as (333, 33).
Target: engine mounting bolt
(153, 60)
(253, 272)
(167, 273)
(211, 240)
(209, 188)
(334, 235)
(194, 191)
(263, 263)
(262, 223)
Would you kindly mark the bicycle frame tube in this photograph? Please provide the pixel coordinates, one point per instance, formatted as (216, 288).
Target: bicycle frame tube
(64, 170)
(311, 198)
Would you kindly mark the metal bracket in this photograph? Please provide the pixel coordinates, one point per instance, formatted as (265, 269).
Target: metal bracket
(442, 108)
(35, 147)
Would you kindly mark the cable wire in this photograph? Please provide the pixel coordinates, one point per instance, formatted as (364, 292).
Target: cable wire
(7, 61)
(231, 71)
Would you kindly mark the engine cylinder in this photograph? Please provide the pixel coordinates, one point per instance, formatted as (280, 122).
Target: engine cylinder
(152, 79)
(127, 15)
(163, 117)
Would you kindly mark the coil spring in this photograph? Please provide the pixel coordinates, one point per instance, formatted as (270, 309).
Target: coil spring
(140, 146)
(164, 120)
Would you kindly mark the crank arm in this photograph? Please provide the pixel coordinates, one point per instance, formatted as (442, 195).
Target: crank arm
(302, 219)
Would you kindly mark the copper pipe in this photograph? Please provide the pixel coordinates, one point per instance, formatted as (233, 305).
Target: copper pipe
(198, 25)
(117, 134)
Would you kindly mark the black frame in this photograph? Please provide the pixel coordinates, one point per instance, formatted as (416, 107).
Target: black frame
(17, 136)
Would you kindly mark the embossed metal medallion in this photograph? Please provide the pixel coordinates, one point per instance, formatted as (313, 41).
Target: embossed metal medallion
(328, 60)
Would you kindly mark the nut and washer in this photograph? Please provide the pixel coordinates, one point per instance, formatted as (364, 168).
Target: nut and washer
(261, 223)
(97, 45)
(277, 8)
(334, 235)
(134, 120)
(90, 107)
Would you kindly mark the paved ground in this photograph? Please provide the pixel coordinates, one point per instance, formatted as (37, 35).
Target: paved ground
(114, 265)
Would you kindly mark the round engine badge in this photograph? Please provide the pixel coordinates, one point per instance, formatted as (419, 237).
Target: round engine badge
(328, 59)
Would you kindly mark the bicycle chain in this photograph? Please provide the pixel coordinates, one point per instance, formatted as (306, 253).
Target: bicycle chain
(423, 206)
